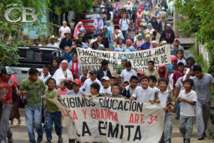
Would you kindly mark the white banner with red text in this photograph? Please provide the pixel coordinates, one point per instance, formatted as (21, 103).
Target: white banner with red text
(112, 120)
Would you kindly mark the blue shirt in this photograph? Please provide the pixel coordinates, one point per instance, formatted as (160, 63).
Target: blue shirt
(145, 46)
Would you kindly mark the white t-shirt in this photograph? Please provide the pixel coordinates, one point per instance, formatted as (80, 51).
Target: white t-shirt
(185, 108)
(44, 78)
(63, 30)
(144, 95)
(124, 24)
(126, 75)
(134, 92)
(72, 93)
(86, 87)
(163, 97)
(154, 90)
(106, 90)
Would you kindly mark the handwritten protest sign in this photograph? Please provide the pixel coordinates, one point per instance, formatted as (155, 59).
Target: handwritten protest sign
(92, 58)
(113, 120)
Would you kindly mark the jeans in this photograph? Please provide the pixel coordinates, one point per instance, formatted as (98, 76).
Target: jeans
(167, 132)
(124, 35)
(186, 127)
(202, 117)
(177, 109)
(168, 128)
(33, 115)
(4, 121)
(53, 118)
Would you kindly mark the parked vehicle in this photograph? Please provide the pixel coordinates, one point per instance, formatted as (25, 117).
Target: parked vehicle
(35, 57)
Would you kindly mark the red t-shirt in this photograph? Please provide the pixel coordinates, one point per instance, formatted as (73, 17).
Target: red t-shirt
(6, 86)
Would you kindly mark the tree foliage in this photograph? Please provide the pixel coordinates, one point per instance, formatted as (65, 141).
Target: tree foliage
(10, 33)
(62, 6)
(198, 19)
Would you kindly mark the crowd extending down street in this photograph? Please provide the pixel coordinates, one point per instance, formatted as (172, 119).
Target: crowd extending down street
(180, 87)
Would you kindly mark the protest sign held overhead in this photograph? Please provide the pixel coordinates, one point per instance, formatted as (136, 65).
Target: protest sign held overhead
(106, 119)
(92, 58)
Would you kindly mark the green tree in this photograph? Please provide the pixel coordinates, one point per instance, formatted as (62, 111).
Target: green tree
(10, 33)
(198, 20)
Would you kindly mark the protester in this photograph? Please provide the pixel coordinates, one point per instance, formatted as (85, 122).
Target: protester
(190, 62)
(129, 46)
(139, 41)
(63, 29)
(178, 73)
(94, 89)
(168, 35)
(62, 73)
(202, 83)
(76, 88)
(180, 57)
(164, 98)
(15, 114)
(151, 70)
(66, 41)
(6, 89)
(54, 66)
(132, 90)
(116, 91)
(85, 89)
(128, 72)
(53, 114)
(162, 71)
(146, 92)
(78, 29)
(153, 85)
(176, 46)
(146, 45)
(187, 99)
(33, 89)
(53, 43)
(104, 70)
(62, 89)
(45, 74)
(124, 25)
(106, 87)
(75, 66)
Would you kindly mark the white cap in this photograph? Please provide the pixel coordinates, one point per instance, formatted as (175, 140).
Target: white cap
(64, 61)
(106, 78)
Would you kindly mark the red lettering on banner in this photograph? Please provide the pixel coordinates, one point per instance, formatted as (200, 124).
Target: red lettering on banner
(104, 114)
(152, 119)
(136, 118)
(84, 113)
(73, 115)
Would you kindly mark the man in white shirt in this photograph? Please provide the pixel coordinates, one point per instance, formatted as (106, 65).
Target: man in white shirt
(124, 25)
(63, 29)
(86, 87)
(132, 90)
(128, 72)
(76, 88)
(146, 92)
(106, 89)
(45, 75)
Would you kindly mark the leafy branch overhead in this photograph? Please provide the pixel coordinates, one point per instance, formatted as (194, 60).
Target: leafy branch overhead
(10, 33)
(198, 19)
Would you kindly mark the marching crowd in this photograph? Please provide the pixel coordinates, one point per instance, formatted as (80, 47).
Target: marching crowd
(181, 87)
